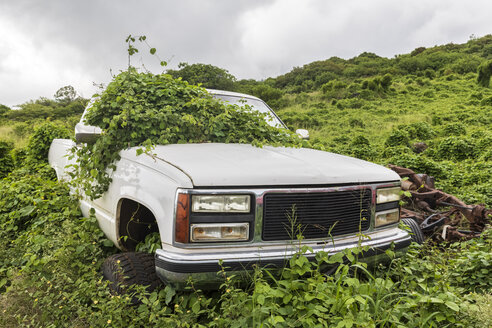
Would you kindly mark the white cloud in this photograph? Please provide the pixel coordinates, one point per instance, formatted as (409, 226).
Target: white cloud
(286, 33)
(30, 69)
(48, 44)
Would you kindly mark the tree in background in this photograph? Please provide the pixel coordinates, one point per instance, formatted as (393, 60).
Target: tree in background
(209, 76)
(66, 104)
(484, 74)
(4, 109)
(65, 94)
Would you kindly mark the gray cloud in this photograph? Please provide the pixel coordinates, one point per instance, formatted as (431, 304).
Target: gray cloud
(48, 44)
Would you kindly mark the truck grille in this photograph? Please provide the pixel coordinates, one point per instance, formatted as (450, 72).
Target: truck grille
(343, 212)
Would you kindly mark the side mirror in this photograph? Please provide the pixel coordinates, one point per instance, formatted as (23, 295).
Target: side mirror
(303, 133)
(86, 133)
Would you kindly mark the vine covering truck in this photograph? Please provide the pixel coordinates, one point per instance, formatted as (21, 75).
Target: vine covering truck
(234, 206)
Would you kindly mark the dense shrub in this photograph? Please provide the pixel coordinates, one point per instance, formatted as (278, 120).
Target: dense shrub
(454, 129)
(361, 148)
(418, 130)
(456, 148)
(268, 94)
(45, 108)
(484, 74)
(397, 138)
(486, 101)
(420, 163)
(40, 142)
(208, 76)
(6, 161)
(355, 122)
(335, 90)
(466, 65)
(4, 109)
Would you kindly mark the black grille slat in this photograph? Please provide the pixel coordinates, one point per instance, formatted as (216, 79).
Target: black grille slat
(316, 213)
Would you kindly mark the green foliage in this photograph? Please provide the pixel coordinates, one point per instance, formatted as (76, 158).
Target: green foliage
(40, 142)
(456, 148)
(45, 108)
(50, 256)
(6, 161)
(268, 94)
(335, 90)
(4, 109)
(418, 130)
(398, 138)
(484, 74)
(486, 102)
(386, 81)
(65, 94)
(151, 243)
(143, 109)
(208, 76)
(419, 163)
(263, 90)
(454, 129)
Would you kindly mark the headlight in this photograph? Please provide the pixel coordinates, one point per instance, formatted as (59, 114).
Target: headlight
(219, 232)
(221, 203)
(387, 217)
(386, 195)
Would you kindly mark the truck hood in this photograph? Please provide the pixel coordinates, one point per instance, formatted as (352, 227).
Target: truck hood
(215, 164)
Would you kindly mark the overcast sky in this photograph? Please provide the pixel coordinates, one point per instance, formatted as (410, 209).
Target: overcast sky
(47, 44)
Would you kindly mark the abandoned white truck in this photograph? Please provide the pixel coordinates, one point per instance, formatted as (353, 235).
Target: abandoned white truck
(237, 204)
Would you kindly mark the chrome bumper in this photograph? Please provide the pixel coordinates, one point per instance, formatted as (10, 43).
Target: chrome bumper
(177, 268)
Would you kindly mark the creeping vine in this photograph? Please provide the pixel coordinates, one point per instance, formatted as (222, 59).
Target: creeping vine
(141, 110)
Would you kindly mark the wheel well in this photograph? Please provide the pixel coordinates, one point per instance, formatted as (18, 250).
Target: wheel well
(135, 222)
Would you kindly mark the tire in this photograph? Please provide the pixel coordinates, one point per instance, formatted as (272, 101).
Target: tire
(416, 233)
(132, 268)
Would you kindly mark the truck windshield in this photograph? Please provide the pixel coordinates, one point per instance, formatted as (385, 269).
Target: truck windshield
(256, 104)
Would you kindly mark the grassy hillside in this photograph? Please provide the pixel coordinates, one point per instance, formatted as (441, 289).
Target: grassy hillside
(423, 110)
(450, 114)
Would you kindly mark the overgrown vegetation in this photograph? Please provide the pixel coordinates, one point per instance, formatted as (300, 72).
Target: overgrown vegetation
(424, 110)
(143, 109)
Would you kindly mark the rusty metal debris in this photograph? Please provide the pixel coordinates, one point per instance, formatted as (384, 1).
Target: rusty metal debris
(442, 217)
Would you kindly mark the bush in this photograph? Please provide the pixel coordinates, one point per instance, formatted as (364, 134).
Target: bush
(39, 143)
(418, 130)
(386, 81)
(360, 141)
(486, 101)
(484, 74)
(4, 109)
(455, 148)
(355, 122)
(466, 65)
(209, 76)
(268, 94)
(6, 161)
(420, 164)
(398, 138)
(361, 148)
(454, 129)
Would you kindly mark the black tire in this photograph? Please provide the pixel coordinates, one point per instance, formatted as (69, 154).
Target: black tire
(132, 268)
(416, 232)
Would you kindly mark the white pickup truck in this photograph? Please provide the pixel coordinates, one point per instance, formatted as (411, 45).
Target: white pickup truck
(239, 204)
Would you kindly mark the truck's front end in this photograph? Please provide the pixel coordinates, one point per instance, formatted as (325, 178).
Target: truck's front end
(235, 229)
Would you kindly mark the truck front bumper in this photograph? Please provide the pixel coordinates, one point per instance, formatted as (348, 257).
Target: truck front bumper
(202, 268)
